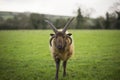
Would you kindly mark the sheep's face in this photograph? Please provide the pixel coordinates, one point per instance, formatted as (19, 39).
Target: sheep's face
(60, 37)
(60, 40)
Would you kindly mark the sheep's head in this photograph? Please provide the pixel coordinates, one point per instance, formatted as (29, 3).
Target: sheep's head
(60, 37)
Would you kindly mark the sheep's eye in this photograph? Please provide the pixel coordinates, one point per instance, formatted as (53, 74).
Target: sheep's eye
(55, 36)
(63, 36)
(51, 34)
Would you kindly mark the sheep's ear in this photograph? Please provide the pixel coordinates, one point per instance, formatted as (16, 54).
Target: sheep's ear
(51, 34)
(69, 34)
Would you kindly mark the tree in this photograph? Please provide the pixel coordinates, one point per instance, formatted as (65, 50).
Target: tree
(37, 21)
(99, 23)
(42, 24)
(107, 22)
(60, 23)
(1, 19)
(21, 21)
(117, 24)
(79, 19)
(115, 15)
(115, 7)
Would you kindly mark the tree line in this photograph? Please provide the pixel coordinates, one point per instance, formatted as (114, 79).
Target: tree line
(36, 21)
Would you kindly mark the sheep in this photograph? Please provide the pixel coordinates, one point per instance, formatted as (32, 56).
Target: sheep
(61, 46)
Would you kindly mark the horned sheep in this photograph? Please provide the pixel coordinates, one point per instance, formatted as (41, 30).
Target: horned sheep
(61, 46)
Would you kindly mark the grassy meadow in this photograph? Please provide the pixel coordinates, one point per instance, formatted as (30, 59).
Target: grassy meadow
(25, 55)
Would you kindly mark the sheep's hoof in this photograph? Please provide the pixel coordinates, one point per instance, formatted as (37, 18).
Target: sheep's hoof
(56, 78)
(64, 74)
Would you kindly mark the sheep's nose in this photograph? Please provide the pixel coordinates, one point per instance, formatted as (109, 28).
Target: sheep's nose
(59, 47)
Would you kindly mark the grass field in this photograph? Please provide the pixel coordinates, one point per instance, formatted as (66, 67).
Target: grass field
(25, 55)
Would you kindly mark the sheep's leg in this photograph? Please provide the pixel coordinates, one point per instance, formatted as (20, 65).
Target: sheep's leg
(64, 68)
(57, 68)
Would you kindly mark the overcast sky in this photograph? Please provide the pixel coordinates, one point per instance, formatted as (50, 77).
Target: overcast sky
(57, 7)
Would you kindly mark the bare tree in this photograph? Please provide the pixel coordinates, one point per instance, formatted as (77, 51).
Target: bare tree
(114, 11)
(115, 7)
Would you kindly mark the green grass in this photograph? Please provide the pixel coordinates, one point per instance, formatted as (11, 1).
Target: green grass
(25, 55)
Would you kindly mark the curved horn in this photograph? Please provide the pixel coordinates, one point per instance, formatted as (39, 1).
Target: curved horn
(52, 26)
(70, 40)
(51, 41)
(67, 24)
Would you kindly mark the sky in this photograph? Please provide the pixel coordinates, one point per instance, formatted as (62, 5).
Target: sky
(58, 7)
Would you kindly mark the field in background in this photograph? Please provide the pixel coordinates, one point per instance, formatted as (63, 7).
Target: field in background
(25, 55)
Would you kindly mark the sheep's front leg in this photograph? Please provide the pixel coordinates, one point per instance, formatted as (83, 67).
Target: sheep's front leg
(64, 68)
(57, 67)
